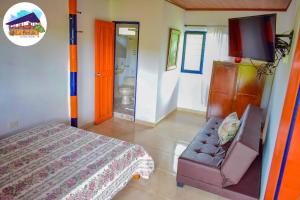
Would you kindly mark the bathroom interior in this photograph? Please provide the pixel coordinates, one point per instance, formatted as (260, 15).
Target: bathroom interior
(126, 55)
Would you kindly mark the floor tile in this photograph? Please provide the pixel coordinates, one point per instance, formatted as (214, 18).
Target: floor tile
(164, 143)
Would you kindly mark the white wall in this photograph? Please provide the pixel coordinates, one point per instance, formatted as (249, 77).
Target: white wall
(189, 83)
(278, 97)
(32, 94)
(148, 13)
(91, 10)
(157, 90)
(34, 80)
(34, 84)
(152, 54)
(168, 83)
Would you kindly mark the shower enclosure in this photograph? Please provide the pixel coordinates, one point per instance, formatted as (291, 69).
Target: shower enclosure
(126, 61)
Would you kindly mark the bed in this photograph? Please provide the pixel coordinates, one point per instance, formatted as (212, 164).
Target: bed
(56, 161)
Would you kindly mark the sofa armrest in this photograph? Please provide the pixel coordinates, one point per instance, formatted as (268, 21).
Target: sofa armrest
(244, 148)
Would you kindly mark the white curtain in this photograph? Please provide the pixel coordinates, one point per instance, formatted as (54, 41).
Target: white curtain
(216, 49)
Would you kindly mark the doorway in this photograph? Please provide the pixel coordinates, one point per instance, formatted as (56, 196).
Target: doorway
(125, 69)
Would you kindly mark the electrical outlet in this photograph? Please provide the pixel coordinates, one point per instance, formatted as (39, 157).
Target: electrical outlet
(13, 125)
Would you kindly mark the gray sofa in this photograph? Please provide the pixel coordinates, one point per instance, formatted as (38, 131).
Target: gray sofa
(220, 169)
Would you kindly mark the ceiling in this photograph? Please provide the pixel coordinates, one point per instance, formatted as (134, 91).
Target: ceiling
(253, 5)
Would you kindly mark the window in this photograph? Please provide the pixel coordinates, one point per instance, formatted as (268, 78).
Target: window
(127, 31)
(193, 52)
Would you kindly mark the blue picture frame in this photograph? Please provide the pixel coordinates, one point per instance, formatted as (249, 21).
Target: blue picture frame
(201, 59)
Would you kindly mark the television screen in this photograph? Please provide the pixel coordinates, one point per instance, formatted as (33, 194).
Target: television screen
(253, 37)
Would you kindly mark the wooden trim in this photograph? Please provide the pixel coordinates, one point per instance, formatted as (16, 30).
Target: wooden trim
(288, 5)
(168, 68)
(170, 1)
(231, 9)
(237, 9)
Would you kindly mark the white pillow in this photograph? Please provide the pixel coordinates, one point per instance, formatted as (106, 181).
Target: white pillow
(228, 128)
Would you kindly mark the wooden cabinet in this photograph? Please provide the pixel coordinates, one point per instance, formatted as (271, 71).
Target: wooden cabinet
(249, 88)
(232, 88)
(222, 89)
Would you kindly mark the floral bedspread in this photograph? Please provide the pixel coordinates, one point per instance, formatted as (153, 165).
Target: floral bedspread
(56, 161)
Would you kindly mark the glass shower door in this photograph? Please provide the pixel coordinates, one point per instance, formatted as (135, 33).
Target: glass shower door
(126, 50)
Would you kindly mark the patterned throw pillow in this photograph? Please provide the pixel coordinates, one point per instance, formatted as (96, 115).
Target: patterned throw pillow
(228, 128)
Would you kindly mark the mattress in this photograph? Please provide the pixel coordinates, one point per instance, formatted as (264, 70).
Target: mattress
(56, 161)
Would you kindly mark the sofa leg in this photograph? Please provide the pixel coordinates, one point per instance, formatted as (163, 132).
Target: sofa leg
(181, 185)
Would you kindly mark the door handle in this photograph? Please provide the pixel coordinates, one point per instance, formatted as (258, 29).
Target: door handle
(98, 74)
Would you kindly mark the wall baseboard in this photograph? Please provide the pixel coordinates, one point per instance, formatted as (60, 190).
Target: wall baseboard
(151, 124)
(86, 126)
(191, 111)
(166, 115)
(144, 123)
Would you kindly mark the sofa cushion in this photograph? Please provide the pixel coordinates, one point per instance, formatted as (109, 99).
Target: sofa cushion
(244, 148)
(203, 157)
(205, 148)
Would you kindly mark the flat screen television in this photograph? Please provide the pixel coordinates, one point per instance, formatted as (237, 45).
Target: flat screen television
(253, 37)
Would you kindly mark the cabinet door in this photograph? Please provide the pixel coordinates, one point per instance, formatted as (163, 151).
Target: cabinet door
(249, 88)
(222, 89)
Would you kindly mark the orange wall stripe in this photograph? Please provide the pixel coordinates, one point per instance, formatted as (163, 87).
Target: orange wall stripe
(73, 58)
(284, 126)
(72, 7)
(74, 112)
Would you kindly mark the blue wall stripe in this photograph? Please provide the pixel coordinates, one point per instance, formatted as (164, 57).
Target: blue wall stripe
(74, 122)
(73, 29)
(73, 83)
(288, 144)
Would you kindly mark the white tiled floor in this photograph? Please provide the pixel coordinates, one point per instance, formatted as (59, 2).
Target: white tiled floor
(164, 143)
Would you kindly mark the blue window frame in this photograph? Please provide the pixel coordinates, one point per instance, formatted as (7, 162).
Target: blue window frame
(193, 52)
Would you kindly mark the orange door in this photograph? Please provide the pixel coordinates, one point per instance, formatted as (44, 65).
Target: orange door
(290, 184)
(104, 69)
(284, 181)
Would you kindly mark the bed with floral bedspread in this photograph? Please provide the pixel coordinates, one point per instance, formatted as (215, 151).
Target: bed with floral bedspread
(56, 161)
